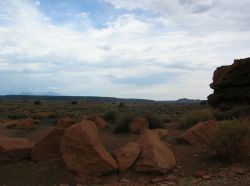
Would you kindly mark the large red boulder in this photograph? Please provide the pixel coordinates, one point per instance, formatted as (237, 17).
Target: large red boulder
(155, 155)
(202, 133)
(14, 149)
(127, 155)
(84, 153)
(47, 147)
(22, 124)
(100, 122)
(231, 85)
(138, 125)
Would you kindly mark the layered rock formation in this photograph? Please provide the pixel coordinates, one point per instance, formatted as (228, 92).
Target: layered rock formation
(231, 85)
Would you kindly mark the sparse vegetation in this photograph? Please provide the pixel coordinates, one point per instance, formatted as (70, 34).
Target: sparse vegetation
(193, 117)
(122, 123)
(74, 102)
(227, 144)
(111, 116)
(234, 113)
(154, 122)
(37, 102)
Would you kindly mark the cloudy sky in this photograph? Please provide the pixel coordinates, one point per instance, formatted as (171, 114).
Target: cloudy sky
(155, 49)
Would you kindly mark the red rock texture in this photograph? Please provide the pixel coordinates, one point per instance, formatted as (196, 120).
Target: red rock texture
(138, 125)
(155, 155)
(202, 133)
(231, 85)
(14, 149)
(47, 146)
(84, 153)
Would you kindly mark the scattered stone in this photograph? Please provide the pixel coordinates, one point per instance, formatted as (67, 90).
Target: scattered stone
(127, 155)
(155, 156)
(84, 153)
(47, 146)
(14, 149)
(138, 125)
(206, 177)
(124, 180)
(156, 180)
(65, 122)
(200, 174)
(238, 170)
(171, 178)
(202, 133)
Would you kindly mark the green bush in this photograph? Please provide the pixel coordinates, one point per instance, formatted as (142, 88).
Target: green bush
(37, 102)
(234, 113)
(111, 116)
(74, 102)
(192, 118)
(154, 122)
(227, 145)
(122, 123)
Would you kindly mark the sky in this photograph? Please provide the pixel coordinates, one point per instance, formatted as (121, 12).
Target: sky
(152, 49)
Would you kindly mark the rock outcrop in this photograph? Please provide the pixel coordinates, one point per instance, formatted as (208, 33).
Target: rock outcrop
(84, 153)
(14, 149)
(127, 155)
(231, 85)
(65, 122)
(47, 146)
(155, 155)
(100, 122)
(202, 133)
(138, 125)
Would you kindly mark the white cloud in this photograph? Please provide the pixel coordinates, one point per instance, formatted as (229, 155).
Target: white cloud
(85, 61)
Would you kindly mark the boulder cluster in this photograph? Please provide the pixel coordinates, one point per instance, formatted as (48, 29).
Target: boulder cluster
(231, 85)
(81, 148)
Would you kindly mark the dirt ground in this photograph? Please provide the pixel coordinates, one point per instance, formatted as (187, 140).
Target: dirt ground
(189, 161)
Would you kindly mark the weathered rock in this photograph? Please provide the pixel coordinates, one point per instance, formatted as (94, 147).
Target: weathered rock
(127, 155)
(202, 133)
(65, 122)
(14, 149)
(155, 155)
(231, 85)
(84, 153)
(161, 132)
(100, 122)
(138, 125)
(26, 124)
(47, 146)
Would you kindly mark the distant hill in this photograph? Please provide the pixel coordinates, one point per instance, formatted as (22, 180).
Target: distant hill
(51, 96)
(37, 94)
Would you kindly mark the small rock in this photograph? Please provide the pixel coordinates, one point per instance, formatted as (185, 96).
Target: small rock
(238, 170)
(200, 174)
(170, 183)
(206, 177)
(171, 178)
(124, 180)
(156, 180)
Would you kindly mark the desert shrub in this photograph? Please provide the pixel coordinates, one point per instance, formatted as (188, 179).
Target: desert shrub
(111, 116)
(121, 105)
(192, 118)
(154, 122)
(122, 123)
(227, 145)
(37, 102)
(74, 103)
(233, 113)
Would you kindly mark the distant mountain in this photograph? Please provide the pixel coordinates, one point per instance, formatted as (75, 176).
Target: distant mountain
(185, 100)
(50, 93)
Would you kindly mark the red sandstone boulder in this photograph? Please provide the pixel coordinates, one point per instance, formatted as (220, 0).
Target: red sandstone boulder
(26, 124)
(202, 133)
(14, 149)
(155, 155)
(84, 153)
(231, 85)
(47, 147)
(65, 122)
(100, 122)
(161, 132)
(138, 125)
(127, 155)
